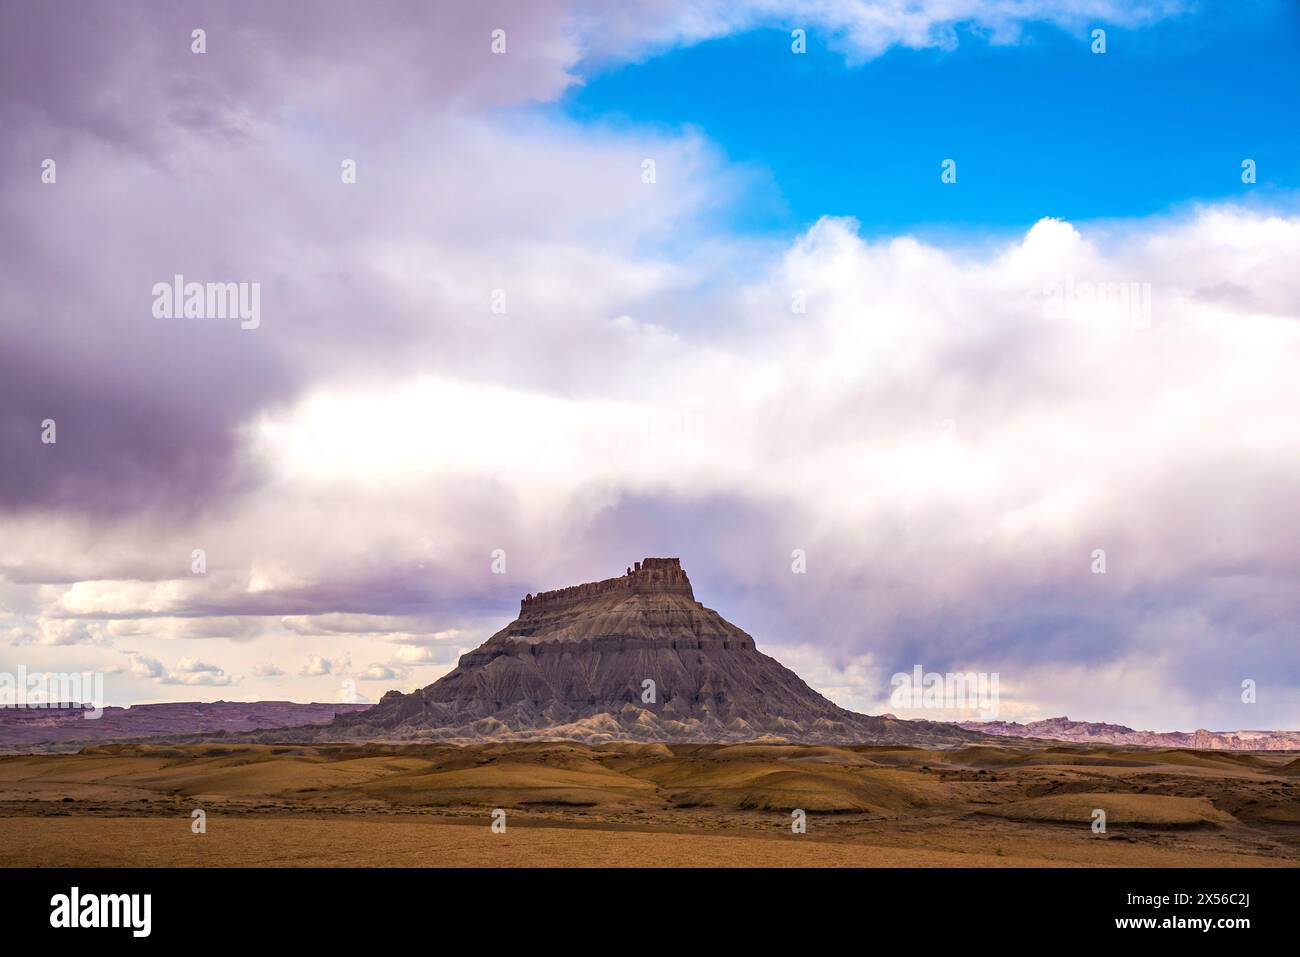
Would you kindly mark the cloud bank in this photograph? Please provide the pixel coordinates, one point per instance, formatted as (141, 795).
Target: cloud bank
(501, 340)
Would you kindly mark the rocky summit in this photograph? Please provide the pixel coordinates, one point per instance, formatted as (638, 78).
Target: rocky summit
(629, 658)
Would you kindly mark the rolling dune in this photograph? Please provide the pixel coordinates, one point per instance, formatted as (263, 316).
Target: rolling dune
(567, 802)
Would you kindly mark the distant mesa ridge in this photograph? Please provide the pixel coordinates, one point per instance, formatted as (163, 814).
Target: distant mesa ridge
(650, 575)
(46, 728)
(1091, 732)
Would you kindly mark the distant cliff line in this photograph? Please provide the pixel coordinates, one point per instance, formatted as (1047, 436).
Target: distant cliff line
(1085, 732)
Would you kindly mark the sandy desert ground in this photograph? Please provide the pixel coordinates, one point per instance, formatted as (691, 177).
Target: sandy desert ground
(647, 805)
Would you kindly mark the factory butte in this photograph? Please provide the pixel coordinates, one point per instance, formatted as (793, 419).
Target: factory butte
(634, 657)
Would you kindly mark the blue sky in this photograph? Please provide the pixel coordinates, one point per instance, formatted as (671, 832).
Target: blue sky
(1042, 127)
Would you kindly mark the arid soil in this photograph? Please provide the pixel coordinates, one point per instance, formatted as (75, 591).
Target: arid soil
(638, 805)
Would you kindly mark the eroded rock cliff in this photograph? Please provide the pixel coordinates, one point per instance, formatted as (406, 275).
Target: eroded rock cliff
(634, 657)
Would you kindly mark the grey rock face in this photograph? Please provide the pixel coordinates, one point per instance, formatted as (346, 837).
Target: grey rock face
(576, 662)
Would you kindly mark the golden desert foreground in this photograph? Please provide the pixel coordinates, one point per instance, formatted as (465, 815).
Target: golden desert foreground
(647, 805)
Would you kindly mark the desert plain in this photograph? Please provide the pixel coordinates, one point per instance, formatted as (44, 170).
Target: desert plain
(623, 804)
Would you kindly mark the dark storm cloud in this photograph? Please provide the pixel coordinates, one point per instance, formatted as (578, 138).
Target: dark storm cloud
(125, 73)
(159, 173)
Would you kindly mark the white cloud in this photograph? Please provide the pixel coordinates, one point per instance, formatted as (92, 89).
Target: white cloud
(195, 666)
(142, 666)
(316, 666)
(937, 384)
(862, 29)
(59, 631)
(319, 665)
(378, 672)
(426, 655)
(188, 671)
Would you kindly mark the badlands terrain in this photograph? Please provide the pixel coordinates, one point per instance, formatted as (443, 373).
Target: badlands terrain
(631, 658)
(634, 804)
